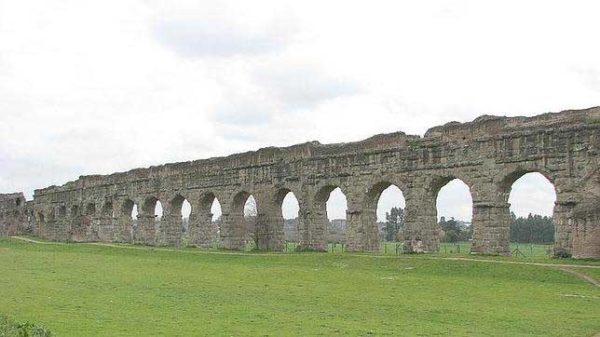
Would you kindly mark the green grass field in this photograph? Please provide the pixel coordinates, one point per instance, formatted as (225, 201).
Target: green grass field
(93, 290)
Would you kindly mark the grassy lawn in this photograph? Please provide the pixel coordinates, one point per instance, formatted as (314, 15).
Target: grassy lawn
(92, 290)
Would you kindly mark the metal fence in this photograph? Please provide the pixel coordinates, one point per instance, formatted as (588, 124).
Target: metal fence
(446, 248)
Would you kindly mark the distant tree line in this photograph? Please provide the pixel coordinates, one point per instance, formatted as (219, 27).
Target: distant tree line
(455, 230)
(531, 229)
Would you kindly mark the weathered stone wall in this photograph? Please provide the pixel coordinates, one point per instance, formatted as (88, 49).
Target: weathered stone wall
(14, 214)
(488, 154)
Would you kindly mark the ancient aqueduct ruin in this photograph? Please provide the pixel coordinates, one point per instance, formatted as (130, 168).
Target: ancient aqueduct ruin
(488, 154)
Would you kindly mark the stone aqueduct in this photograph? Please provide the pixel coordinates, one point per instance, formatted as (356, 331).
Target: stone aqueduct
(488, 154)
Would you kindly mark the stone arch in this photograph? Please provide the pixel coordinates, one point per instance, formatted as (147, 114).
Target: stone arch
(374, 192)
(437, 184)
(149, 221)
(286, 229)
(281, 193)
(239, 200)
(106, 222)
(236, 230)
(126, 223)
(455, 219)
(364, 232)
(323, 230)
(322, 196)
(521, 205)
(491, 210)
(206, 201)
(176, 204)
(506, 182)
(543, 179)
(206, 220)
(149, 204)
(127, 207)
(150, 207)
(174, 223)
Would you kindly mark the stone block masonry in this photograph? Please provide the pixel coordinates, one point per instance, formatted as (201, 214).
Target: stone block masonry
(488, 154)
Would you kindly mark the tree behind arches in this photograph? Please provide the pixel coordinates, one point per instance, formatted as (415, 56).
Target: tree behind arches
(394, 222)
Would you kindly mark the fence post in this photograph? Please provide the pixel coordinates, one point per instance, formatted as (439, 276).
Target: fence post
(531, 245)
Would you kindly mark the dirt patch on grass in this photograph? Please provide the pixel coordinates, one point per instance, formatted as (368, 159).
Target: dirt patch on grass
(583, 277)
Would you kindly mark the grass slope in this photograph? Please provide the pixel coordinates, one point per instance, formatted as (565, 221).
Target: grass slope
(85, 290)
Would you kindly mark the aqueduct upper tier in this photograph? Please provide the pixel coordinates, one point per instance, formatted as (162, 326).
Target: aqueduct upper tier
(488, 154)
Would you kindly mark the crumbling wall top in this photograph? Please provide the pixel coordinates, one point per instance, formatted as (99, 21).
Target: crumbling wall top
(480, 128)
(488, 126)
(12, 200)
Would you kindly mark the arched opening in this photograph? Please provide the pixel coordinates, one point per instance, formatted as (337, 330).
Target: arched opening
(532, 197)
(331, 207)
(215, 210)
(180, 206)
(158, 211)
(151, 220)
(250, 209)
(250, 217)
(454, 211)
(134, 212)
(390, 212)
(129, 216)
(290, 209)
(240, 231)
(186, 211)
(209, 216)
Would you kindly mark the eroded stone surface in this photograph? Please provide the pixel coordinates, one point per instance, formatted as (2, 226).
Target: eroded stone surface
(488, 154)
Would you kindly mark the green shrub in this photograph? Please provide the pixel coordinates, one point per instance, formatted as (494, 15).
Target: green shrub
(11, 328)
(562, 253)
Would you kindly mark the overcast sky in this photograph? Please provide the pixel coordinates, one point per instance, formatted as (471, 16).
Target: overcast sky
(93, 87)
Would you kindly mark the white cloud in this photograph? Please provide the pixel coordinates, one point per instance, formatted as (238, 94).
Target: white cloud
(300, 86)
(223, 28)
(96, 87)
